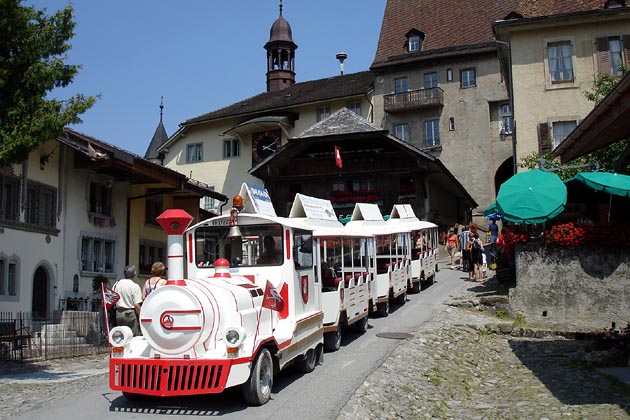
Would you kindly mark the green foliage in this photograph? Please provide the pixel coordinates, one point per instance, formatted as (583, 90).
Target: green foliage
(613, 158)
(33, 49)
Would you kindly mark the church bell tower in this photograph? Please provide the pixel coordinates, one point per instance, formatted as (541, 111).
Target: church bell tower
(280, 55)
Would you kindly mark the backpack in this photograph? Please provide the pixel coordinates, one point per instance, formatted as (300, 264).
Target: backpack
(476, 245)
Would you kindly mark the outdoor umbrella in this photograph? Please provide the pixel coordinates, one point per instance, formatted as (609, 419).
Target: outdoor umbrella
(608, 182)
(531, 197)
(491, 209)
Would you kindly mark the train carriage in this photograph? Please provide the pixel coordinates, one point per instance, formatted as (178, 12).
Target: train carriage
(424, 251)
(388, 256)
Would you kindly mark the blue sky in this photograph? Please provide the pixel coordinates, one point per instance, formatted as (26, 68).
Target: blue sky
(200, 55)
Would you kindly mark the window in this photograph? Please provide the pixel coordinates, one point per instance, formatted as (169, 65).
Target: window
(401, 131)
(431, 133)
(41, 205)
(323, 112)
(414, 43)
(153, 207)
(451, 124)
(9, 198)
(3, 281)
(194, 153)
(507, 122)
(12, 279)
(610, 54)
(561, 129)
(560, 62)
(149, 253)
(449, 75)
(303, 248)
(430, 80)
(8, 277)
(97, 254)
(100, 198)
(400, 85)
(468, 78)
(231, 148)
(354, 106)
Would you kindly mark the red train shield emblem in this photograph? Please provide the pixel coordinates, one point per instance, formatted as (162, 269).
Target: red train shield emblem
(304, 287)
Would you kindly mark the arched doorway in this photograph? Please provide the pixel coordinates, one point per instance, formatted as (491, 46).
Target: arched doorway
(40, 293)
(503, 173)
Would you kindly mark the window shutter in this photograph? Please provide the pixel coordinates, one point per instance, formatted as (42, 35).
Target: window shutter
(603, 55)
(543, 138)
(625, 40)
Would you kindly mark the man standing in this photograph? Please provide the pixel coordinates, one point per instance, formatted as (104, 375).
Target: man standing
(494, 234)
(128, 307)
(464, 261)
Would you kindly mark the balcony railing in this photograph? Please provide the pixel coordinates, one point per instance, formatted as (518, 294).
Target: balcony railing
(414, 99)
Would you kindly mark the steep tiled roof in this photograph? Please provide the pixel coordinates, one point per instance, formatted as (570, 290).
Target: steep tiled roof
(159, 138)
(456, 23)
(338, 123)
(298, 94)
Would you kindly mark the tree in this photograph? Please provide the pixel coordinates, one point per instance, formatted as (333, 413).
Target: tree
(33, 49)
(612, 158)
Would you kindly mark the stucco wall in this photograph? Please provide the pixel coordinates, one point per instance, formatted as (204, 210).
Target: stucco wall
(572, 288)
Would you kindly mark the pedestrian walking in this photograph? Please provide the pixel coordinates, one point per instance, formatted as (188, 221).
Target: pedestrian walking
(464, 260)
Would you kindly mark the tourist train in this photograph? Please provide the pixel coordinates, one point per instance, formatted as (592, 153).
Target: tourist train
(265, 292)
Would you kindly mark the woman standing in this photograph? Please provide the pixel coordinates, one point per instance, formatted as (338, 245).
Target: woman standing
(476, 250)
(451, 247)
(157, 270)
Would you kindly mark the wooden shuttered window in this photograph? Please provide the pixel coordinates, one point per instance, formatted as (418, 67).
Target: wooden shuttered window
(544, 145)
(603, 53)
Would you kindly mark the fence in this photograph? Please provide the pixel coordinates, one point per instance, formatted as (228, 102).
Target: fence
(61, 334)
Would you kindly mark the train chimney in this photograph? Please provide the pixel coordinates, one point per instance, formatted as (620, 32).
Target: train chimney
(175, 222)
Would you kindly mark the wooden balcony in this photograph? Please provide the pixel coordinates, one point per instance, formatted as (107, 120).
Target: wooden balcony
(414, 99)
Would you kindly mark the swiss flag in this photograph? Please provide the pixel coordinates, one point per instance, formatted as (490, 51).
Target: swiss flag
(338, 160)
(272, 298)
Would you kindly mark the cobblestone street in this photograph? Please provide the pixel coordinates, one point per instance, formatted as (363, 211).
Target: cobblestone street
(453, 368)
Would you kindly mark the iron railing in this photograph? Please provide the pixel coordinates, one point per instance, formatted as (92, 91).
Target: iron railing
(61, 334)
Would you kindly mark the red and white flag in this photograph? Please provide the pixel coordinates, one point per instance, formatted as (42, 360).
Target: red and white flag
(272, 298)
(109, 297)
(338, 160)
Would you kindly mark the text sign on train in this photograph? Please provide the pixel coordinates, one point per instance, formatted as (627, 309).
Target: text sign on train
(316, 208)
(260, 200)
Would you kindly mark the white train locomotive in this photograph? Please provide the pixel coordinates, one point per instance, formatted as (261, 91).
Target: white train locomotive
(263, 292)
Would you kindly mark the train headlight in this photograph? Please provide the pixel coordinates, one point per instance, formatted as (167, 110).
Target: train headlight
(120, 336)
(234, 336)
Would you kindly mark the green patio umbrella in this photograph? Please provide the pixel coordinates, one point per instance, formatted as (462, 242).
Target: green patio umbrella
(492, 208)
(531, 197)
(609, 182)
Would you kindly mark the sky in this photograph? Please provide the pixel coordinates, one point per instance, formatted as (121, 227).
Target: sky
(200, 55)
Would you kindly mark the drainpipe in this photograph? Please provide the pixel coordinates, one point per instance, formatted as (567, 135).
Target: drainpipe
(511, 94)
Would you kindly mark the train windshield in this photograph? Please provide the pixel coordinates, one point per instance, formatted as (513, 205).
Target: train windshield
(256, 245)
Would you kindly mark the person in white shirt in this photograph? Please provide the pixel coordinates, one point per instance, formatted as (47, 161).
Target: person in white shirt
(128, 306)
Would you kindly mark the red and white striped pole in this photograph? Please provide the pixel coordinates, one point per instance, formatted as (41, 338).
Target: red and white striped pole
(175, 222)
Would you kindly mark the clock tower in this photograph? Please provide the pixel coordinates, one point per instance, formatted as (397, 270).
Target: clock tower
(280, 55)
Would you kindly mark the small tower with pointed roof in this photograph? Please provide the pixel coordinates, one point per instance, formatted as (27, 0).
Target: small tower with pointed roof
(280, 55)
(159, 138)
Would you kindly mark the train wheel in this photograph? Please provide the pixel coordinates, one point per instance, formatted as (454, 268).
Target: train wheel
(402, 299)
(362, 325)
(332, 340)
(257, 389)
(415, 287)
(382, 309)
(307, 365)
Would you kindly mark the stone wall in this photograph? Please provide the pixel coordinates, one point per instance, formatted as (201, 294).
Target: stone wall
(583, 288)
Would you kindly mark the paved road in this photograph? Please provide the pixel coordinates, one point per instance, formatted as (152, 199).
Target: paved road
(318, 395)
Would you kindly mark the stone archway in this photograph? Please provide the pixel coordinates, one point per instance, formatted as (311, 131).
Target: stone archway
(41, 286)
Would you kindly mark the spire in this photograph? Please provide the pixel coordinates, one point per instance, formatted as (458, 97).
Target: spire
(280, 8)
(159, 138)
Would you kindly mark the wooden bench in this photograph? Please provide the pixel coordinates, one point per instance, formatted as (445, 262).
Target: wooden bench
(9, 333)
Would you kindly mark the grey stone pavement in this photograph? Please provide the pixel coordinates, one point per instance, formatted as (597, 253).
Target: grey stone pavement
(463, 364)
